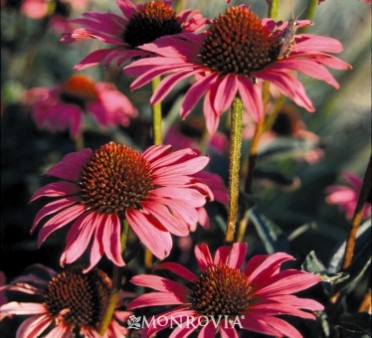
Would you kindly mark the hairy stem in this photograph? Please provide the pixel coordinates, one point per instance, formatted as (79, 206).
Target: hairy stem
(234, 167)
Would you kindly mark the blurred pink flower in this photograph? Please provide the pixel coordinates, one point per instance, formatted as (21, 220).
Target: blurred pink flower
(189, 135)
(288, 124)
(61, 107)
(346, 196)
(38, 9)
(139, 24)
(157, 192)
(223, 291)
(64, 302)
(237, 49)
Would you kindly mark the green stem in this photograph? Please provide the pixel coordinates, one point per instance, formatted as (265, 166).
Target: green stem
(156, 115)
(234, 167)
(273, 9)
(116, 285)
(310, 14)
(79, 141)
(357, 218)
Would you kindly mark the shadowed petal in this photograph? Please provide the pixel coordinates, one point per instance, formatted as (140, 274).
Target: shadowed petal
(71, 165)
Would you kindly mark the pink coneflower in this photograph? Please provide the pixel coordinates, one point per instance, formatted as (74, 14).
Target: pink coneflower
(346, 196)
(66, 303)
(237, 50)
(157, 192)
(62, 107)
(252, 298)
(140, 24)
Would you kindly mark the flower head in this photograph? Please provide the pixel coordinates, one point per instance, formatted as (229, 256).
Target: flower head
(222, 292)
(65, 303)
(157, 192)
(346, 196)
(139, 24)
(236, 51)
(61, 107)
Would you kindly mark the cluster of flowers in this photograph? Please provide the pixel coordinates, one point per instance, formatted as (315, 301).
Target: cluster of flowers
(162, 192)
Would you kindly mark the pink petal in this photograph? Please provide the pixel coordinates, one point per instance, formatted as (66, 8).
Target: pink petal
(203, 256)
(207, 331)
(354, 180)
(228, 332)
(127, 7)
(312, 43)
(231, 256)
(212, 118)
(281, 308)
(156, 151)
(179, 208)
(78, 238)
(174, 158)
(111, 238)
(195, 92)
(225, 92)
(286, 282)
(161, 284)
(155, 299)
(58, 221)
(17, 308)
(71, 165)
(52, 208)
(96, 252)
(186, 167)
(262, 267)
(311, 68)
(168, 84)
(301, 303)
(290, 87)
(93, 58)
(283, 327)
(191, 196)
(258, 324)
(166, 218)
(178, 269)
(251, 97)
(34, 326)
(342, 196)
(60, 331)
(55, 189)
(157, 241)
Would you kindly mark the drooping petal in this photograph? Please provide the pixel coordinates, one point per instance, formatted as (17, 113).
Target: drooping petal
(58, 221)
(111, 238)
(159, 242)
(78, 238)
(33, 326)
(251, 98)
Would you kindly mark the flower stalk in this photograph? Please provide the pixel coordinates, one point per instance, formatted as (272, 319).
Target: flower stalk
(273, 9)
(116, 285)
(357, 218)
(156, 115)
(234, 166)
